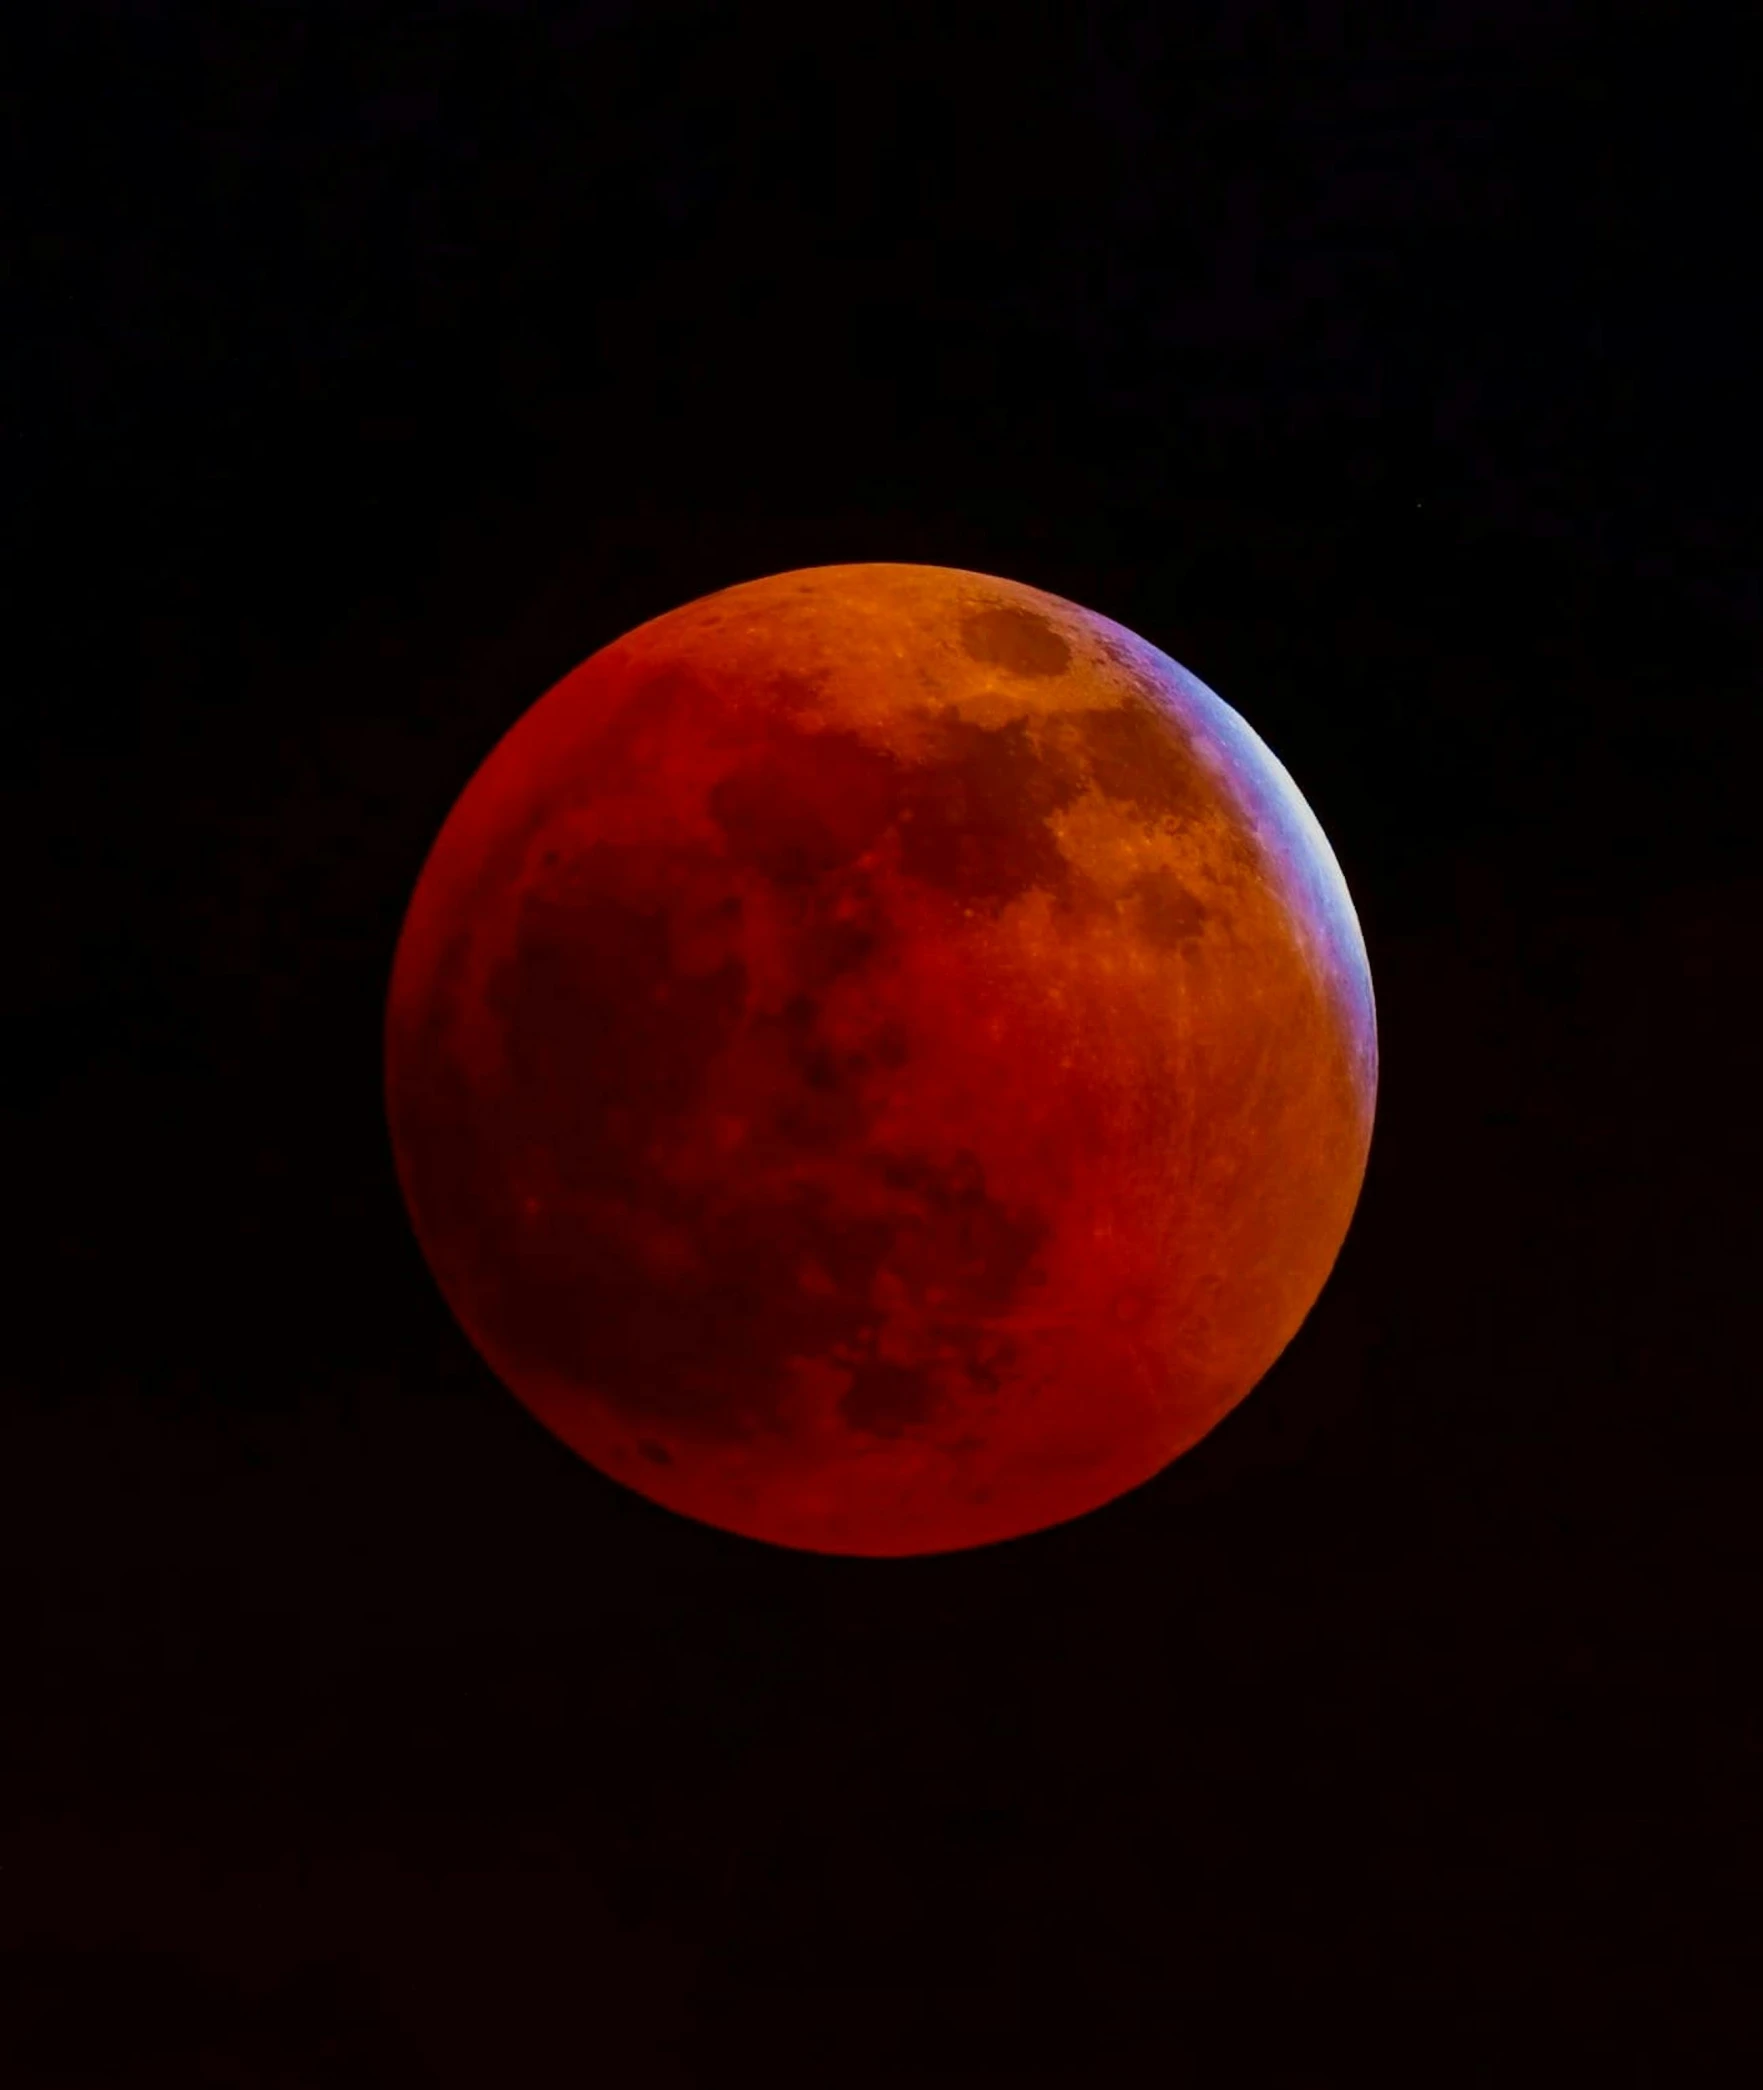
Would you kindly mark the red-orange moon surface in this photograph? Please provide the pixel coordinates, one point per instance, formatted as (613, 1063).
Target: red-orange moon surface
(880, 1059)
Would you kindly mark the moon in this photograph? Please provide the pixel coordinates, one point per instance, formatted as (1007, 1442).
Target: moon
(880, 1060)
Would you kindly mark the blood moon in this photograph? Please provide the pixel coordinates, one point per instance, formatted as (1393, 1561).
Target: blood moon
(880, 1059)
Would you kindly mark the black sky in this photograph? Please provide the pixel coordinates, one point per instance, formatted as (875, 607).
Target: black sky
(369, 368)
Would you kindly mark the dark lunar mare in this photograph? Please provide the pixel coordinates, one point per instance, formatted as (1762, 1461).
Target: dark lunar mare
(680, 1303)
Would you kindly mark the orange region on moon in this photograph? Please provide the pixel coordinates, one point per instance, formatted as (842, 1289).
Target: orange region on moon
(880, 1059)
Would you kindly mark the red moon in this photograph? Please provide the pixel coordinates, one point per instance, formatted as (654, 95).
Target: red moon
(880, 1060)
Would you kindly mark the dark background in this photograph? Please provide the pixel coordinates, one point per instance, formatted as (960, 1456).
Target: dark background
(370, 367)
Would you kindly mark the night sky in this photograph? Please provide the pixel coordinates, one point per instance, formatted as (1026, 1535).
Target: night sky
(369, 367)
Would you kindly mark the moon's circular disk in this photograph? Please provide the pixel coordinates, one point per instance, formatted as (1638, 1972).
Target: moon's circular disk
(881, 1059)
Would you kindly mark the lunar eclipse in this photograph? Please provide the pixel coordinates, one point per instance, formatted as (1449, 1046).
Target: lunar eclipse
(880, 1060)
